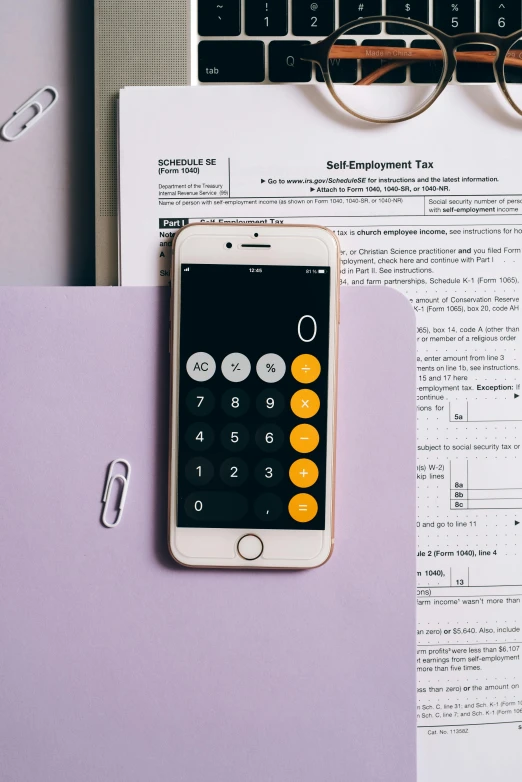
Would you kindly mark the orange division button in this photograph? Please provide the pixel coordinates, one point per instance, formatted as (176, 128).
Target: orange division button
(306, 368)
(305, 403)
(303, 473)
(303, 507)
(304, 438)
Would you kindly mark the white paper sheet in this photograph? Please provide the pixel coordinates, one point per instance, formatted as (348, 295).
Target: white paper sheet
(433, 207)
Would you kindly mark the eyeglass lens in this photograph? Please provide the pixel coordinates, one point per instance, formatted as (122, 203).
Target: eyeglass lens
(386, 78)
(406, 55)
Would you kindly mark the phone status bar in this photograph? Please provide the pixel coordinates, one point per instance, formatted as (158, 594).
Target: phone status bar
(255, 268)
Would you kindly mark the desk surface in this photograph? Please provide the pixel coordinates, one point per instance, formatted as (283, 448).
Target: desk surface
(119, 665)
(47, 177)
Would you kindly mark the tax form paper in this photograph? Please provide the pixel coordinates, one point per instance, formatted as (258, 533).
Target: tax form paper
(432, 207)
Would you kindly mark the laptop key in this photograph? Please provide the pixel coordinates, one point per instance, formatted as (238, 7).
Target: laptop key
(475, 72)
(453, 18)
(424, 71)
(397, 76)
(351, 10)
(416, 10)
(231, 61)
(341, 70)
(266, 17)
(219, 17)
(284, 63)
(500, 16)
(313, 18)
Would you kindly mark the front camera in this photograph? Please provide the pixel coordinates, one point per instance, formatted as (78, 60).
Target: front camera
(228, 245)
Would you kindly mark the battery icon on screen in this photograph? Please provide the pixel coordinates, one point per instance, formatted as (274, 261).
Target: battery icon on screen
(320, 271)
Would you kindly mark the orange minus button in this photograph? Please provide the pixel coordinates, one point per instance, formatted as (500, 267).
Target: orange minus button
(304, 438)
(303, 507)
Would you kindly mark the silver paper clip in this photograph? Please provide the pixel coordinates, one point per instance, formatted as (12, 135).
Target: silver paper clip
(31, 103)
(125, 479)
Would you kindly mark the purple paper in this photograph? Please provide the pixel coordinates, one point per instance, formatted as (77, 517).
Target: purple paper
(117, 664)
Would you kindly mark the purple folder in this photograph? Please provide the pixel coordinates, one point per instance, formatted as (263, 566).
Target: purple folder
(117, 664)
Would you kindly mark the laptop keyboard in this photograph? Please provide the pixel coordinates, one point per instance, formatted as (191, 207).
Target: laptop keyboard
(256, 41)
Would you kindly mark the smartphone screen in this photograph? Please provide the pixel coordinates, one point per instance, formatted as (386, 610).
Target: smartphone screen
(253, 396)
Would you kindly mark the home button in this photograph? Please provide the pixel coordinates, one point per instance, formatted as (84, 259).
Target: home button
(250, 547)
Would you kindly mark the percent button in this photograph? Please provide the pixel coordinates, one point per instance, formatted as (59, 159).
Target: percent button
(271, 368)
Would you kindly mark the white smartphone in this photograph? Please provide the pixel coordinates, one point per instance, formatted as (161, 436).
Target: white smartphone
(254, 321)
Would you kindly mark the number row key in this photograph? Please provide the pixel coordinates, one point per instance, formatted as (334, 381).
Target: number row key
(223, 17)
(216, 506)
(270, 17)
(235, 437)
(501, 17)
(454, 17)
(233, 471)
(235, 402)
(268, 472)
(200, 436)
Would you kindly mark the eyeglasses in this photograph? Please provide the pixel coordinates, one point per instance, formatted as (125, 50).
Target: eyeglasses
(407, 74)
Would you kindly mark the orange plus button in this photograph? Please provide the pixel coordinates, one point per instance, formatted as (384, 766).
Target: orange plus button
(306, 368)
(304, 438)
(305, 403)
(303, 507)
(303, 473)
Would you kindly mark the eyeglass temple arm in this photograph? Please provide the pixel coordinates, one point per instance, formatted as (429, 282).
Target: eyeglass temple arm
(406, 56)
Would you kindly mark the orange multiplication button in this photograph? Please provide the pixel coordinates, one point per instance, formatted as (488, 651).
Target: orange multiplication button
(303, 473)
(306, 368)
(305, 403)
(304, 438)
(303, 507)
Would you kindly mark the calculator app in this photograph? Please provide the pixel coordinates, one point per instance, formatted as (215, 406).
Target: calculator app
(253, 395)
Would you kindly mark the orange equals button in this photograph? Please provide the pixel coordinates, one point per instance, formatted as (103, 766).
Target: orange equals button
(303, 507)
